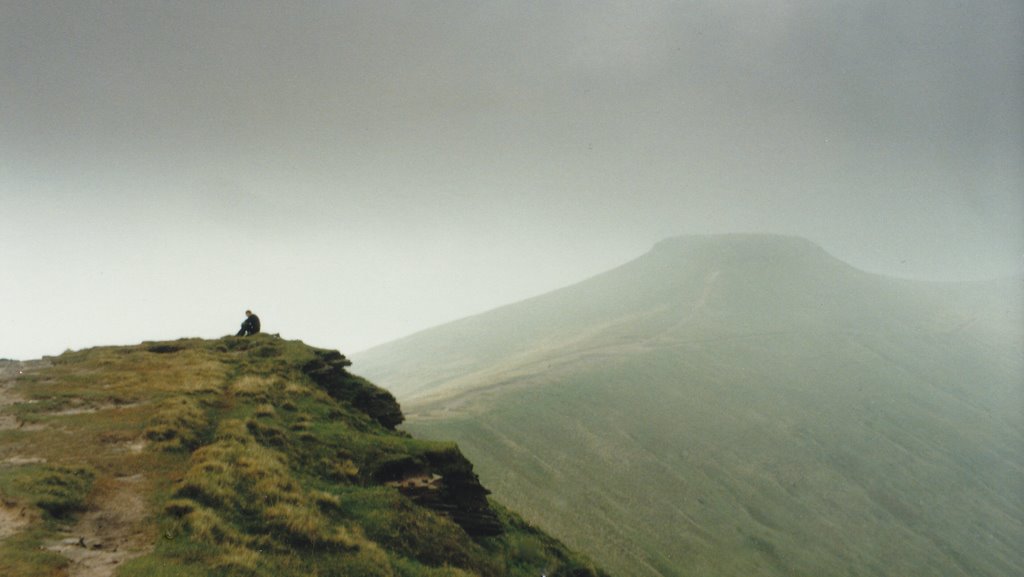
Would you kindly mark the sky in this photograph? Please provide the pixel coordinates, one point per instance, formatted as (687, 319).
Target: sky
(357, 171)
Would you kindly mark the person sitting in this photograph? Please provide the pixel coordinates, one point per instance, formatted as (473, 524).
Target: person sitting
(250, 326)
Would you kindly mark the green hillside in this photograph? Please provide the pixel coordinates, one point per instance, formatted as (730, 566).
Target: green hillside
(238, 457)
(742, 405)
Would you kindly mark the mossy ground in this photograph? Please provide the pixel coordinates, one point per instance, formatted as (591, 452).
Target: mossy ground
(245, 465)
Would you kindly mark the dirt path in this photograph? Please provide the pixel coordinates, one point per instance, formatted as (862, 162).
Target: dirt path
(13, 518)
(102, 538)
(110, 534)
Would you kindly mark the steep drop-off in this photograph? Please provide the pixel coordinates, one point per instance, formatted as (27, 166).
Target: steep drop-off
(240, 456)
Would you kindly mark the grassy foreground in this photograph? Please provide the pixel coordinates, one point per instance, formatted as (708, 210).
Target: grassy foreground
(237, 456)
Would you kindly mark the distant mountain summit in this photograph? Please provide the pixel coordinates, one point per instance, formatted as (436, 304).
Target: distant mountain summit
(746, 247)
(739, 405)
(699, 285)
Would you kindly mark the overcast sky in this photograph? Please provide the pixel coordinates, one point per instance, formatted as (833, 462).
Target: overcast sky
(356, 171)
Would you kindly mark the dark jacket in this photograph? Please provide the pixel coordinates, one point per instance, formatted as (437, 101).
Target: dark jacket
(250, 326)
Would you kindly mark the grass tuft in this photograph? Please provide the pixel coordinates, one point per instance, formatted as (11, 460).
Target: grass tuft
(58, 490)
(179, 424)
(265, 410)
(326, 501)
(232, 430)
(255, 385)
(238, 560)
(206, 526)
(180, 507)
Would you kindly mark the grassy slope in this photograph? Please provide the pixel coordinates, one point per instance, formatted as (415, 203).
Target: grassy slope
(743, 405)
(241, 465)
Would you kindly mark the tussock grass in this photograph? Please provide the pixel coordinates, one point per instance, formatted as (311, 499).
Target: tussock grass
(126, 369)
(179, 424)
(326, 501)
(268, 434)
(251, 468)
(206, 526)
(232, 430)
(256, 385)
(58, 490)
(431, 539)
(49, 495)
(24, 555)
(297, 389)
(265, 410)
(341, 469)
(238, 559)
(240, 475)
(302, 422)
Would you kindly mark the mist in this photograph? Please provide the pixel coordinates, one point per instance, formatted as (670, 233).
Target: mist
(354, 172)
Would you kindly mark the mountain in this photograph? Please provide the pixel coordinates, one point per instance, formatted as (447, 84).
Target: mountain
(742, 405)
(240, 456)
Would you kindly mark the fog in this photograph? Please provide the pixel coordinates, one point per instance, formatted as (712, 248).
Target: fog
(357, 171)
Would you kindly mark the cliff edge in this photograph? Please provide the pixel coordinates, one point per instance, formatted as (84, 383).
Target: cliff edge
(238, 456)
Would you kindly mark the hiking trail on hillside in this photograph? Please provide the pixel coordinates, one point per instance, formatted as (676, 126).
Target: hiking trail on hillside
(110, 530)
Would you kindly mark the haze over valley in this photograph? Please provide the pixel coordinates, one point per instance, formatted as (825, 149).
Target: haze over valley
(742, 404)
(699, 288)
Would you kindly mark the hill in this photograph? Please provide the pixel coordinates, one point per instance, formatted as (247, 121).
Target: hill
(742, 404)
(240, 456)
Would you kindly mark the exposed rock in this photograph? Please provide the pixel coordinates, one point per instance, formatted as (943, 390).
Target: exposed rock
(445, 482)
(328, 371)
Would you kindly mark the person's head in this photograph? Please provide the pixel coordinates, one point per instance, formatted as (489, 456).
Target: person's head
(248, 313)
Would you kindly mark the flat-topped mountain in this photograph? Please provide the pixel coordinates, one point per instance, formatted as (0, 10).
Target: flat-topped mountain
(738, 405)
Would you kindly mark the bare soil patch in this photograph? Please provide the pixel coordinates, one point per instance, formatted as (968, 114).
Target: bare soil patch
(19, 460)
(13, 518)
(112, 530)
(109, 533)
(8, 422)
(83, 408)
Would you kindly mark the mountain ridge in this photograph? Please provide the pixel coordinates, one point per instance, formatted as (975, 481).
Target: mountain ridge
(692, 274)
(249, 456)
(742, 405)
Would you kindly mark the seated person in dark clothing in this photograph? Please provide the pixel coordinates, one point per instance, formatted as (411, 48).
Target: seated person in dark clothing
(250, 326)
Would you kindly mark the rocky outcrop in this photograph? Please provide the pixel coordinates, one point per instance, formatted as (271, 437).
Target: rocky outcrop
(328, 370)
(444, 481)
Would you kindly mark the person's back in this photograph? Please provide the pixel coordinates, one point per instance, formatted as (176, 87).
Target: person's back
(250, 326)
